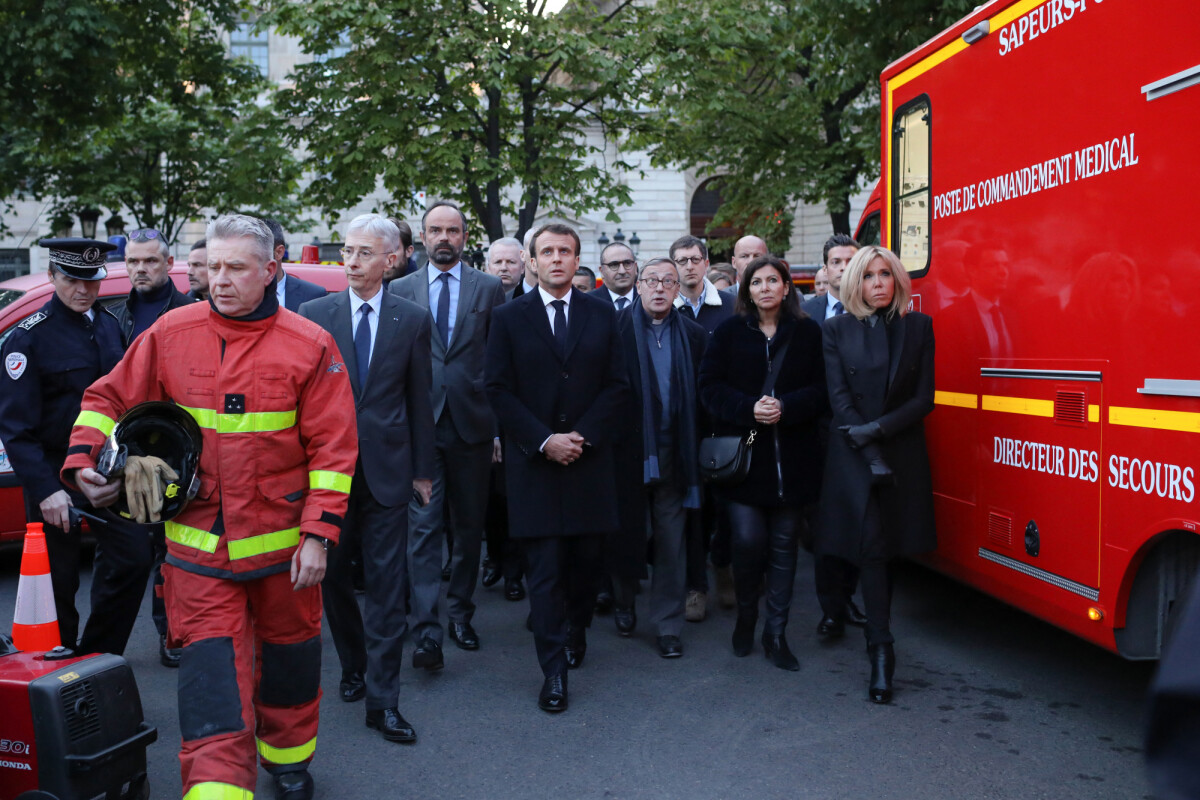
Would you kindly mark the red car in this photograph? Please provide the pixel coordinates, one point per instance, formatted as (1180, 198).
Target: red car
(20, 297)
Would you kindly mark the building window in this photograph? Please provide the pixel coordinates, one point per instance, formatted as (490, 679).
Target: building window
(339, 50)
(244, 42)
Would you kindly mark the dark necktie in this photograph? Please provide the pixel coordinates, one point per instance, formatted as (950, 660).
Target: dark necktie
(560, 324)
(838, 308)
(443, 311)
(362, 345)
(621, 303)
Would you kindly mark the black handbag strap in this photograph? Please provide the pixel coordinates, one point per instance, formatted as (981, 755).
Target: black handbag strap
(775, 366)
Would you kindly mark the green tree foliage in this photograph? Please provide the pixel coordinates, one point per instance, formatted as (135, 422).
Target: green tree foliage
(136, 105)
(486, 102)
(781, 97)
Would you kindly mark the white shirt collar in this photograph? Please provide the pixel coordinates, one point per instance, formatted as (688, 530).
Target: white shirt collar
(831, 301)
(435, 273)
(357, 302)
(548, 298)
(615, 297)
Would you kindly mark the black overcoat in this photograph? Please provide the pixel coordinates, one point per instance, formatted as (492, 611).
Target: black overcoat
(536, 391)
(898, 401)
(626, 551)
(731, 381)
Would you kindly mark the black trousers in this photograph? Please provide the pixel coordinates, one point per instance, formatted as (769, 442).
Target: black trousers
(158, 607)
(721, 545)
(563, 579)
(370, 642)
(836, 581)
(119, 573)
(765, 539)
(501, 547)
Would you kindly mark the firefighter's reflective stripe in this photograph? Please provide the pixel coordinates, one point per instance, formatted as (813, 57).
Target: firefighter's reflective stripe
(238, 548)
(287, 755)
(94, 419)
(325, 479)
(211, 790)
(250, 422)
(263, 543)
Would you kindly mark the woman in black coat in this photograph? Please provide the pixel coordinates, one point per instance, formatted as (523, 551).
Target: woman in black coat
(877, 499)
(765, 509)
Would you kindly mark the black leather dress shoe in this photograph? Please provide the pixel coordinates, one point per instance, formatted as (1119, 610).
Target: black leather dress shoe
(352, 687)
(829, 628)
(604, 603)
(393, 726)
(626, 620)
(670, 647)
(169, 656)
(576, 647)
(428, 655)
(553, 697)
(491, 573)
(294, 786)
(514, 590)
(775, 648)
(463, 635)
(853, 616)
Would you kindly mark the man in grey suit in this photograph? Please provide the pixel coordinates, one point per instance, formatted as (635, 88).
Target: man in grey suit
(384, 342)
(460, 300)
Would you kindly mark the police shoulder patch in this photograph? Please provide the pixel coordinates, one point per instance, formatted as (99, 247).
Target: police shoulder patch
(15, 364)
(29, 322)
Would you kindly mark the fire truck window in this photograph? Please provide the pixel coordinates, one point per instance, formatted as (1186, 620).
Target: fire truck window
(910, 171)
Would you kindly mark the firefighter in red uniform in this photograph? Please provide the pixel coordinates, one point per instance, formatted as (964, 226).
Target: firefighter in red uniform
(246, 556)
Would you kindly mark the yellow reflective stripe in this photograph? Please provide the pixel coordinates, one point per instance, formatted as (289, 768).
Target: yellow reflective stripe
(1018, 405)
(263, 543)
(287, 755)
(192, 537)
(94, 419)
(955, 399)
(1093, 413)
(251, 422)
(1182, 421)
(327, 479)
(211, 790)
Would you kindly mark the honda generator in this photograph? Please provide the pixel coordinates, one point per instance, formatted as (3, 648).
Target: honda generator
(70, 729)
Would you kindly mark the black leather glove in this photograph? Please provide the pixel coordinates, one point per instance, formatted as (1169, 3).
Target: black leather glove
(862, 435)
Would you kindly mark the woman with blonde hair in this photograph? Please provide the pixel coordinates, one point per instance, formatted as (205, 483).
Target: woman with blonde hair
(877, 498)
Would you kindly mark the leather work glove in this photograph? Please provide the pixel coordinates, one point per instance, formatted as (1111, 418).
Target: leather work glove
(144, 482)
(862, 435)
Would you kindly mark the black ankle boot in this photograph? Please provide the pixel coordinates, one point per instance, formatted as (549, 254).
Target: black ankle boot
(775, 647)
(743, 636)
(883, 666)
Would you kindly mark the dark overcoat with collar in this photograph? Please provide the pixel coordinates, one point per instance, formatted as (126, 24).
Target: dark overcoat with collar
(395, 418)
(297, 292)
(458, 369)
(898, 399)
(536, 391)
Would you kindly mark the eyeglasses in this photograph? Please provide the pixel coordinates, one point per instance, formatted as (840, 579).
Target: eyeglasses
(350, 252)
(617, 266)
(683, 261)
(666, 283)
(145, 235)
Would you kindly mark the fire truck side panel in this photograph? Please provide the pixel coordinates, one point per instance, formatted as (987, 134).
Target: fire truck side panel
(1066, 436)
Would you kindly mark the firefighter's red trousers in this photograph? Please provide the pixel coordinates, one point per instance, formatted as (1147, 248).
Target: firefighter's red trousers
(249, 680)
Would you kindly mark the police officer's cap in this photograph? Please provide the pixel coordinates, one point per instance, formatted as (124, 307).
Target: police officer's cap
(82, 259)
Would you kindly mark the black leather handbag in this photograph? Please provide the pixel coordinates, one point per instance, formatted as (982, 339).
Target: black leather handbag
(725, 460)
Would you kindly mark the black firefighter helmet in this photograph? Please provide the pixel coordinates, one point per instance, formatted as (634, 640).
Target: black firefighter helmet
(156, 429)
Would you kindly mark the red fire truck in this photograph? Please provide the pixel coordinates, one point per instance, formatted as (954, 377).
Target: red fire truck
(1036, 160)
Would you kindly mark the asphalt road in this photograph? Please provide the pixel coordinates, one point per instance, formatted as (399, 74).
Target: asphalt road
(990, 703)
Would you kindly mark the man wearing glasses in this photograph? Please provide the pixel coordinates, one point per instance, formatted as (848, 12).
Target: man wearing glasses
(618, 267)
(698, 298)
(658, 478)
(460, 300)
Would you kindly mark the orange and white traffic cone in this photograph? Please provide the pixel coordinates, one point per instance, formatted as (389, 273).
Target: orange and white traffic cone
(35, 623)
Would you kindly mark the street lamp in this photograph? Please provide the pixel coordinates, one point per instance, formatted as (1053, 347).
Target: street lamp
(87, 222)
(603, 240)
(619, 237)
(635, 243)
(114, 225)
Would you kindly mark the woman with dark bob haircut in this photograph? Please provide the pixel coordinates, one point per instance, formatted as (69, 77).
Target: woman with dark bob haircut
(877, 498)
(768, 330)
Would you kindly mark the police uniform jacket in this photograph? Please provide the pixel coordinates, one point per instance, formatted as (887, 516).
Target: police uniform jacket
(271, 394)
(121, 310)
(50, 359)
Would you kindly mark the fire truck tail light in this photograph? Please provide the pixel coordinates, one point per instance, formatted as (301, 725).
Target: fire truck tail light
(1095, 614)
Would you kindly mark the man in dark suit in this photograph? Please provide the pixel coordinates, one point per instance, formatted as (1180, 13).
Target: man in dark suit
(836, 578)
(556, 378)
(384, 342)
(529, 282)
(460, 299)
(292, 292)
(618, 267)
